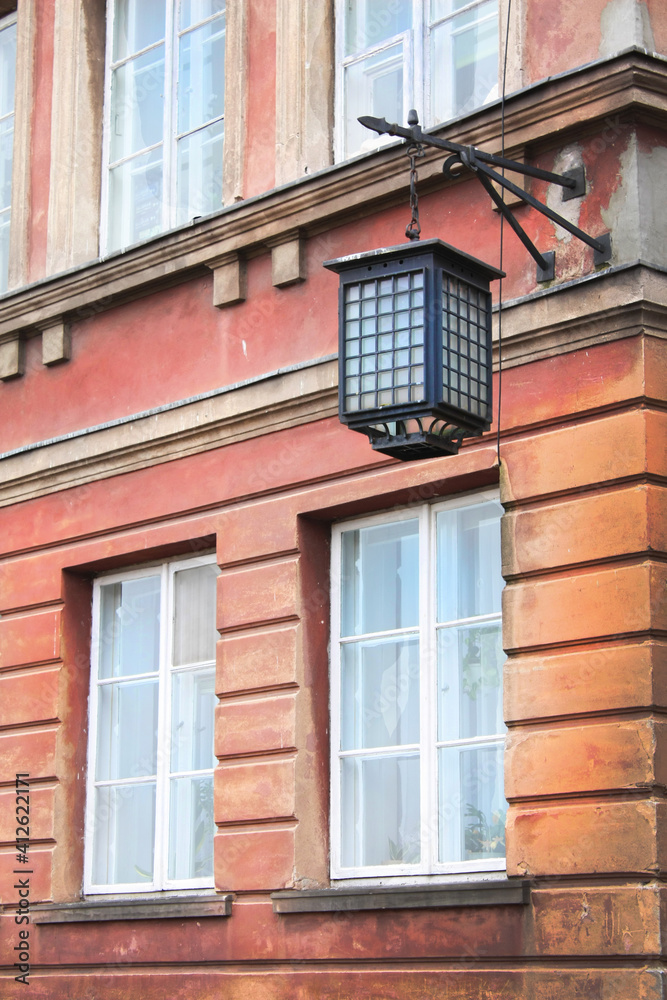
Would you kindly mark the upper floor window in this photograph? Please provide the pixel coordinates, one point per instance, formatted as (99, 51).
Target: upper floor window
(165, 105)
(438, 56)
(417, 722)
(150, 782)
(7, 76)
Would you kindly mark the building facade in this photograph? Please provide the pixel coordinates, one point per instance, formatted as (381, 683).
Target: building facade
(281, 715)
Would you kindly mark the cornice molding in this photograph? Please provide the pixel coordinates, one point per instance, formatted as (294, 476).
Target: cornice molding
(539, 116)
(296, 397)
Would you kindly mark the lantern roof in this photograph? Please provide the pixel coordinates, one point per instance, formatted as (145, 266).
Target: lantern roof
(449, 256)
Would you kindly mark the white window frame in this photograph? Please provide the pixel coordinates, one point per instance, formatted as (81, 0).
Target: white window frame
(170, 133)
(428, 867)
(7, 22)
(417, 74)
(160, 882)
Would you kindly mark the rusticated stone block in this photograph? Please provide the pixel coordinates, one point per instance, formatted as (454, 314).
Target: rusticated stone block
(257, 594)
(40, 876)
(585, 605)
(30, 638)
(590, 679)
(256, 725)
(254, 860)
(30, 751)
(625, 920)
(257, 660)
(30, 580)
(29, 697)
(40, 815)
(257, 531)
(584, 530)
(600, 757)
(254, 790)
(587, 838)
(597, 451)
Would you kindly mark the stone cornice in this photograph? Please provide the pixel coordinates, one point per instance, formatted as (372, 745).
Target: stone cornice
(631, 82)
(304, 394)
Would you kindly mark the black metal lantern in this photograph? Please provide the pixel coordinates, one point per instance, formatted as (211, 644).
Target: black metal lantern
(415, 355)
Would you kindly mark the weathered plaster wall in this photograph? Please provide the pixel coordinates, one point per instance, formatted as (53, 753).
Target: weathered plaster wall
(563, 34)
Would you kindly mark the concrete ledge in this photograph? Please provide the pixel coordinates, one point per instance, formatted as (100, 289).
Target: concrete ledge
(501, 893)
(143, 909)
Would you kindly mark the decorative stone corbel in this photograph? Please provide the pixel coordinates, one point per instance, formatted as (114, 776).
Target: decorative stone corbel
(11, 358)
(288, 260)
(56, 343)
(229, 279)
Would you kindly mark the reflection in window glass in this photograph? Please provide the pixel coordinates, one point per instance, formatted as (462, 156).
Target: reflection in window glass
(440, 57)
(164, 135)
(7, 86)
(417, 669)
(381, 578)
(464, 57)
(137, 24)
(150, 819)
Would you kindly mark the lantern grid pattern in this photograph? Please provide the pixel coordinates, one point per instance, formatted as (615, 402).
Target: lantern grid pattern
(384, 341)
(465, 357)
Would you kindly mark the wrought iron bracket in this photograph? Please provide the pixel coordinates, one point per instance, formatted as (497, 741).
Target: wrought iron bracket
(481, 164)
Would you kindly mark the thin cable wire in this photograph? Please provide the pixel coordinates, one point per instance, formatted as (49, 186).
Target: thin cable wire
(502, 219)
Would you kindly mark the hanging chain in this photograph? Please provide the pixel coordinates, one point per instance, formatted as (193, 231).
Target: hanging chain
(413, 230)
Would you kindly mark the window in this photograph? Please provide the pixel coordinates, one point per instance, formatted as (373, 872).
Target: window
(7, 75)
(438, 56)
(417, 723)
(165, 115)
(150, 789)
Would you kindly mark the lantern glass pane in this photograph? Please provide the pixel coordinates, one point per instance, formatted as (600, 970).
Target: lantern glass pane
(465, 357)
(384, 320)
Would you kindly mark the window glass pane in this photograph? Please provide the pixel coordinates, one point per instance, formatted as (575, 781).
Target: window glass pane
(194, 11)
(7, 68)
(380, 578)
(380, 810)
(373, 86)
(444, 8)
(6, 149)
(369, 22)
(137, 89)
(199, 172)
(124, 834)
(129, 640)
(137, 24)
(192, 713)
(191, 828)
(464, 61)
(468, 562)
(201, 75)
(127, 730)
(472, 803)
(470, 682)
(195, 634)
(380, 693)
(135, 200)
(7, 83)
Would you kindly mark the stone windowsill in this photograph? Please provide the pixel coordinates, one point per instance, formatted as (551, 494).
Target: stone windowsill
(127, 909)
(496, 893)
